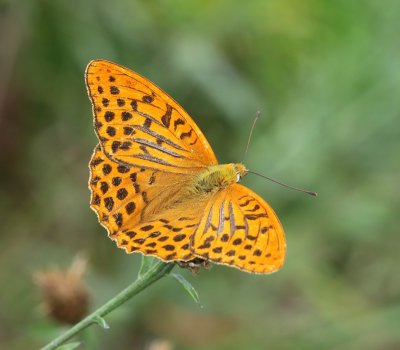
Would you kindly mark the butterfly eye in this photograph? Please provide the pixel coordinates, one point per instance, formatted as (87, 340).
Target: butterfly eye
(238, 176)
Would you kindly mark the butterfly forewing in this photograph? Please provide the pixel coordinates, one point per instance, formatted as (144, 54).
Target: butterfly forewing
(240, 229)
(119, 193)
(140, 125)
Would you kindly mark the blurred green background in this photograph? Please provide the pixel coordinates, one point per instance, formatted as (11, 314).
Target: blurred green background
(326, 77)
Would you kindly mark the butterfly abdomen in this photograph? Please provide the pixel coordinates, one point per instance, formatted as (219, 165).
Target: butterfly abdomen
(217, 177)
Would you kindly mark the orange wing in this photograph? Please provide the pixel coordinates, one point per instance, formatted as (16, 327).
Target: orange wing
(240, 229)
(139, 125)
(233, 226)
(132, 204)
(149, 152)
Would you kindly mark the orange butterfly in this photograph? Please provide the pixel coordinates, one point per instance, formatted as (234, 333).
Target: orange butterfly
(157, 186)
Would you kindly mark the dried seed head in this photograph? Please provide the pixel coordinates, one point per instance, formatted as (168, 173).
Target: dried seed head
(64, 295)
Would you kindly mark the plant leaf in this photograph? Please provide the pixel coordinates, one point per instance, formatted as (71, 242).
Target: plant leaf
(101, 322)
(147, 263)
(188, 287)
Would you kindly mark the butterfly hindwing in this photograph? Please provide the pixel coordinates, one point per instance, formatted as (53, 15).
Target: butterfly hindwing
(167, 239)
(139, 125)
(132, 204)
(240, 229)
(233, 226)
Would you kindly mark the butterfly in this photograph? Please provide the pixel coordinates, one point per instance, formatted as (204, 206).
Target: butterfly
(158, 188)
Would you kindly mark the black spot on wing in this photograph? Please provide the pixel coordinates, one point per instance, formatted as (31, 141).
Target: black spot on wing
(166, 118)
(178, 122)
(186, 134)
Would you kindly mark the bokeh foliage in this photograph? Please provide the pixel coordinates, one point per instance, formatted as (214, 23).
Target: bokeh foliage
(326, 77)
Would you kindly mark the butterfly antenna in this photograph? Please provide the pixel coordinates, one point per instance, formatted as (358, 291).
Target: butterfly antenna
(251, 133)
(315, 194)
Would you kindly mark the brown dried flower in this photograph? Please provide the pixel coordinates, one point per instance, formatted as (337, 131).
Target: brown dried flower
(65, 297)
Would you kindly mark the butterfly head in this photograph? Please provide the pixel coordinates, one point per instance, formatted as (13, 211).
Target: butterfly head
(240, 170)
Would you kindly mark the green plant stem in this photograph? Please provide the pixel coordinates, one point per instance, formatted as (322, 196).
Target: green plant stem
(158, 270)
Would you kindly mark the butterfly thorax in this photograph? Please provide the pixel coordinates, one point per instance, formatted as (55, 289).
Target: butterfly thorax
(217, 177)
